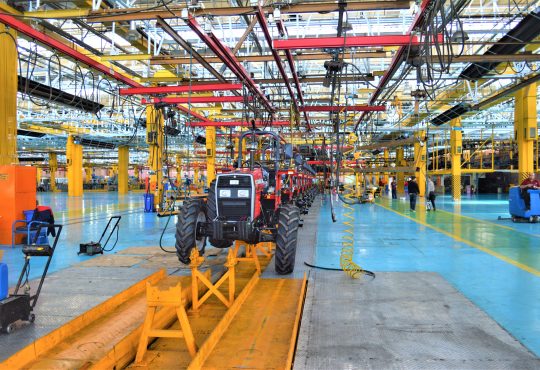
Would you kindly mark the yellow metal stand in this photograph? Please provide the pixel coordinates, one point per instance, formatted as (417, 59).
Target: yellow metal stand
(400, 161)
(213, 289)
(251, 252)
(171, 297)
(420, 151)
(154, 138)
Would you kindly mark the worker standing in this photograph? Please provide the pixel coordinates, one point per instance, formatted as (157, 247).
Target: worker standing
(414, 190)
(431, 192)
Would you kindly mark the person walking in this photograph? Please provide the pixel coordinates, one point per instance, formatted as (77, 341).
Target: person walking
(394, 188)
(413, 193)
(431, 193)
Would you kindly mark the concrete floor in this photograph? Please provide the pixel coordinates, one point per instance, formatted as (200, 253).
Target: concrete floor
(490, 268)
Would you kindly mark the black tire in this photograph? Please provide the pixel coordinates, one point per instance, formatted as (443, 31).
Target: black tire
(191, 212)
(211, 212)
(286, 239)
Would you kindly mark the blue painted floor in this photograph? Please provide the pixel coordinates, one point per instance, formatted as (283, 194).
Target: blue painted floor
(494, 263)
(84, 219)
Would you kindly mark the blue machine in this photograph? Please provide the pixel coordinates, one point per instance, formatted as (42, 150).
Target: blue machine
(517, 209)
(149, 202)
(3, 281)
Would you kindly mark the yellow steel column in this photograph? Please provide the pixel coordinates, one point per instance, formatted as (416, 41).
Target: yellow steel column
(455, 155)
(123, 166)
(74, 167)
(386, 156)
(154, 138)
(8, 97)
(525, 127)
(400, 176)
(38, 175)
(53, 167)
(88, 174)
(420, 151)
(210, 155)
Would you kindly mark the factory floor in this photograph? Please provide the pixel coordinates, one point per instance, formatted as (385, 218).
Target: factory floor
(456, 288)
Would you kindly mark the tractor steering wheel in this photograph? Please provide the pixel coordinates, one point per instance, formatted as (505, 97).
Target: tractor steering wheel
(257, 164)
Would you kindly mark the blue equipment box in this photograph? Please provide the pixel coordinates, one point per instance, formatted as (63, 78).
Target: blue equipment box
(516, 205)
(3, 281)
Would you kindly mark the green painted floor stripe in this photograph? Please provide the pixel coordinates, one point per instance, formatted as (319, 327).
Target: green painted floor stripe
(506, 244)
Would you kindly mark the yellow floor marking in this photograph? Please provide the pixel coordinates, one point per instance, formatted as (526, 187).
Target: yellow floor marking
(468, 242)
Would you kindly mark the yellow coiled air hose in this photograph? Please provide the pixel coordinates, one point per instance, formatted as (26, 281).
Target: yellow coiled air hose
(347, 244)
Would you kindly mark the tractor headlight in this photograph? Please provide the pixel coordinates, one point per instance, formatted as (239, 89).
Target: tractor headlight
(243, 193)
(224, 193)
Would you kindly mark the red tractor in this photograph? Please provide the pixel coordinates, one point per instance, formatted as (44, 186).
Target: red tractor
(246, 205)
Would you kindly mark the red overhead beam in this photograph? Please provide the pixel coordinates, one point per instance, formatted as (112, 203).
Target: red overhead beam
(229, 59)
(190, 113)
(349, 41)
(348, 108)
(261, 17)
(197, 100)
(396, 59)
(238, 123)
(64, 49)
(282, 30)
(153, 90)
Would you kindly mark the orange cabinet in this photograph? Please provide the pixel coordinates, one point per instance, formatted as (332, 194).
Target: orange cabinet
(17, 194)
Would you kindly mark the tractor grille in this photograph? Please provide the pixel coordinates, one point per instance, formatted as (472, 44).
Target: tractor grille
(234, 197)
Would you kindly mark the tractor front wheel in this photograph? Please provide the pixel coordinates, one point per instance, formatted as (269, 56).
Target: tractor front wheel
(191, 213)
(286, 239)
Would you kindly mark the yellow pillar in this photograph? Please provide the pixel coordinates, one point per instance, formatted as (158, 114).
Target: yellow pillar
(400, 176)
(386, 156)
(455, 155)
(74, 168)
(123, 166)
(8, 97)
(136, 173)
(38, 176)
(154, 138)
(210, 155)
(88, 174)
(525, 127)
(420, 151)
(53, 167)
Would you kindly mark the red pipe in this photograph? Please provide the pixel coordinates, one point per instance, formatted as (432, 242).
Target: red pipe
(153, 90)
(227, 57)
(349, 41)
(397, 59)
(193, 114)
(355, 108)
(237, 123)
(64, 49)
(264, 26)
(290, 60)
(197, 100)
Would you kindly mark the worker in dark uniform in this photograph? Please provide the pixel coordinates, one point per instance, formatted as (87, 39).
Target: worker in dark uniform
(527, 184)
(414, 190)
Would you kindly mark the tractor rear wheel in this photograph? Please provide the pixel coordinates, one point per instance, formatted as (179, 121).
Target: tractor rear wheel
(286, 239)
(211, 212)
(191, 213)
